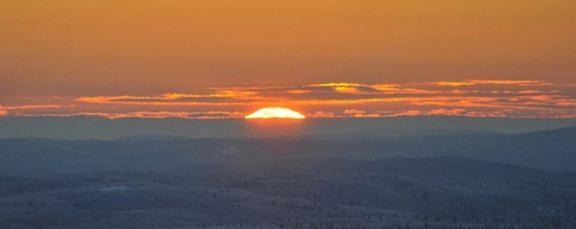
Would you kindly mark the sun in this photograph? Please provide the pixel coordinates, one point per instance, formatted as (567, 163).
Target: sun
(275, 113)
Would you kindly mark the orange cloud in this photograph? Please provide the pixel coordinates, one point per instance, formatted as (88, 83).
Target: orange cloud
(151, 115)
(341, 87)
(406, 113)
(386, 87)
(454, 83)
(337, 84)
(350, 90)
(30, 107)
(447, 112)
(488, 82)
(472, 98)
(323, 114)
(298, 92)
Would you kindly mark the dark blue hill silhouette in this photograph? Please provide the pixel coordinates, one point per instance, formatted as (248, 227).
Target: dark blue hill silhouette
(432, 180)
(553, 150)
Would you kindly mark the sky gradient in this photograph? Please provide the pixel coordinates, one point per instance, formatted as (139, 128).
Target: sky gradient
(224, 58)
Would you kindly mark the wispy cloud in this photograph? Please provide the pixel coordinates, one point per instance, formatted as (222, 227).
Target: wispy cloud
(31, 107)
(147, 114)
(471, 98)
(491, 82)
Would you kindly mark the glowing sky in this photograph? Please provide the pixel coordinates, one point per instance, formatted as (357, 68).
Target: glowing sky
(223, 58)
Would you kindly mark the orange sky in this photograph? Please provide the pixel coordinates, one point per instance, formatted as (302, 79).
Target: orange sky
(80, 49)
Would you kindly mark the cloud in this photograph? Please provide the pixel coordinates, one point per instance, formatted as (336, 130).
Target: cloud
(149, 115)
(32, 107)
(490, 82)
(18, 109)
(323, 114)
(473, 98)
(447, 112)
(355, 113)
(406, 113)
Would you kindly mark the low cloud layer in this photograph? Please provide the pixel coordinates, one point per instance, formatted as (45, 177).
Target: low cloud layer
(469, 98)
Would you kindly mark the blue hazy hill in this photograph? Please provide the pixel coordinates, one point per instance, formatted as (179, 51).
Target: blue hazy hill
(101, 128)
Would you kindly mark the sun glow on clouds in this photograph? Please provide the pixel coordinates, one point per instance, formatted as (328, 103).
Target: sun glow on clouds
(468, 98)
(147, 115)
(490, 82)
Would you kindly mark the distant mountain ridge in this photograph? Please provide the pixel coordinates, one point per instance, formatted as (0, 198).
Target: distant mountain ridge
(101, 128)
(553, 150)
